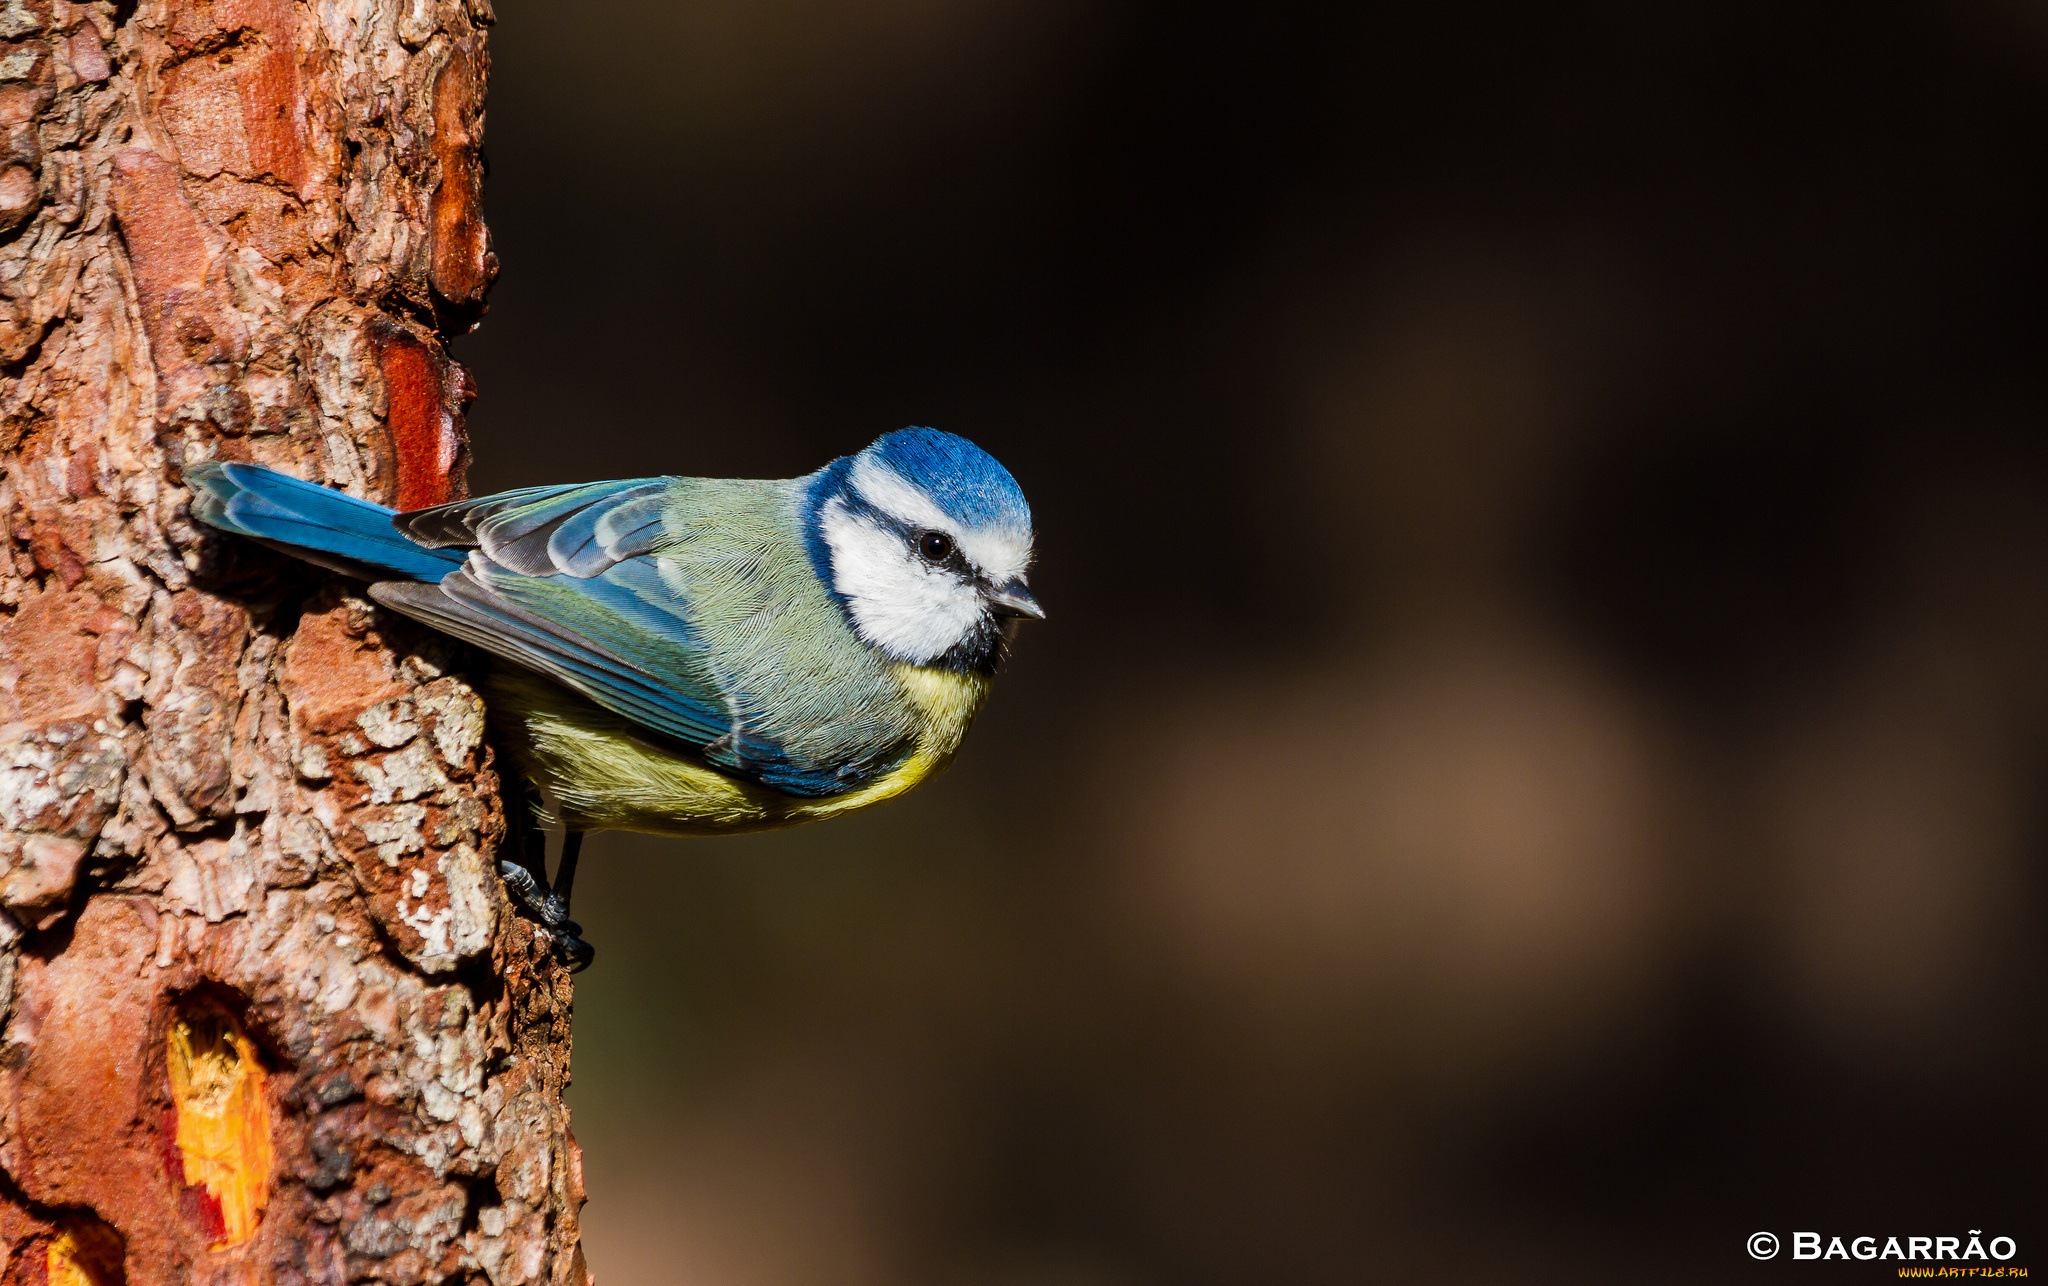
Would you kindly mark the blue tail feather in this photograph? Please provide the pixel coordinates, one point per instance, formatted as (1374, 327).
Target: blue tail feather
(302, 518)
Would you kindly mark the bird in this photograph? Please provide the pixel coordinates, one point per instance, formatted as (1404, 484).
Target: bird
(693, 656)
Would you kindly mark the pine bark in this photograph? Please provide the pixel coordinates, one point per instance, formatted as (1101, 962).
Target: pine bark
(268, 1016)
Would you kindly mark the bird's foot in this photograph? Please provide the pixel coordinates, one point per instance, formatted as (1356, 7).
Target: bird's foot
(552, 911)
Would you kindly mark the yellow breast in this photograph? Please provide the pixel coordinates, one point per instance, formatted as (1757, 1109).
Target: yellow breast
(600, 776)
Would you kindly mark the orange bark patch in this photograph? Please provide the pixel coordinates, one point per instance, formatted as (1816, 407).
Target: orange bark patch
(239, 110)
(273, 113)
(222, 1119)
(463, 265)
(425, 442)
(84, 1252)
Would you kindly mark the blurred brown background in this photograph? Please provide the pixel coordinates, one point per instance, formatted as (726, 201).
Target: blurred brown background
(1534, 771)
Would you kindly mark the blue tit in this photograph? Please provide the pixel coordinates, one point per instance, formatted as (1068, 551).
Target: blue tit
(686, 656)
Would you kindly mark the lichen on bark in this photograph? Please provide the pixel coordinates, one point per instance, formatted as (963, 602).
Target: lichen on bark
(236, 798)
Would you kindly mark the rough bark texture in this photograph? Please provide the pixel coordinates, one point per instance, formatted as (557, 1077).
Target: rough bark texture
(268, 1015)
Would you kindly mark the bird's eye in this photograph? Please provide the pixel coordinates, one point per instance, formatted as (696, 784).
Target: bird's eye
(936, 546)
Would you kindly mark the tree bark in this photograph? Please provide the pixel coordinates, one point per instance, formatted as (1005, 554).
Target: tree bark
(268, 1015)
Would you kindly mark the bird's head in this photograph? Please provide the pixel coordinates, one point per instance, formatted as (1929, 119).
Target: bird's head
(924, 539)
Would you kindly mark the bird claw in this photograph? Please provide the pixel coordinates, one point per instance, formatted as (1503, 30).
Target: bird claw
(543, 903)
(549, 908)
(574, 952)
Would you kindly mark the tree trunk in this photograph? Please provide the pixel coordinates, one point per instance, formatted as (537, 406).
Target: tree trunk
(268, 1015)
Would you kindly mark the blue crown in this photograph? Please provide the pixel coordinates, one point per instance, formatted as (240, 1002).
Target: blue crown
(964, 481)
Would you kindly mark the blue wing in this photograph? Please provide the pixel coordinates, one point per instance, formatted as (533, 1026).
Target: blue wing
(560, 580)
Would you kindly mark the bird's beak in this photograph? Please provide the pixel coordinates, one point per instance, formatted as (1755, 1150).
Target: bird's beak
(1014, 599)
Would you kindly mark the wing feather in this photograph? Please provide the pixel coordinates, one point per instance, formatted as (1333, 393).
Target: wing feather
(469, 611)
(563, 581)
(546, 531)
(599, 535)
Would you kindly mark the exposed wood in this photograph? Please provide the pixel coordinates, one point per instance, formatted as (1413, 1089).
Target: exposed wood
(268, 1015)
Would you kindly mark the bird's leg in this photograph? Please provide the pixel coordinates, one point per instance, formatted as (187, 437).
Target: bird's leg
(526, 844)
(526, 878)
(565, 870)
(575, 952)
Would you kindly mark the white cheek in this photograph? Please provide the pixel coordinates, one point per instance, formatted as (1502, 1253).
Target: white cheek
(898, 603)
